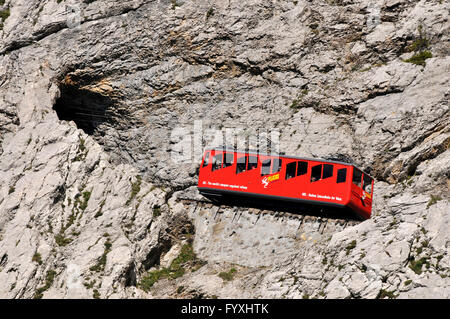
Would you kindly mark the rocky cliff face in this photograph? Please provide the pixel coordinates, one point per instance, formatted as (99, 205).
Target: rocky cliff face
(92, 203)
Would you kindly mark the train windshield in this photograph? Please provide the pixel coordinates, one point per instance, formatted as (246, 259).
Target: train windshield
(206, 160)
(357, 176)
(367, 184)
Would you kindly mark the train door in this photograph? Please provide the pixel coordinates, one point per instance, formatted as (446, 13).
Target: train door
(296, 180)
(246, 165)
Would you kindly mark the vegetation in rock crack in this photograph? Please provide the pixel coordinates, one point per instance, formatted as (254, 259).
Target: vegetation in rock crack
(135, 188)
(101, 262)
(176, 269)
(49, 278)
(433, 200)
(228, 275)
(419, 58)
(350, 247)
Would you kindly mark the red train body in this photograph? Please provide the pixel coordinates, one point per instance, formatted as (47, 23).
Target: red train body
(286, 178)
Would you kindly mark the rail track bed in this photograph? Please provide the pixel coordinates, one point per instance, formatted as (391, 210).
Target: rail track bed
(303, 215)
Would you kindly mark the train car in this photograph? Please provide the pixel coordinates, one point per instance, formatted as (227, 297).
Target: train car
(280, 178)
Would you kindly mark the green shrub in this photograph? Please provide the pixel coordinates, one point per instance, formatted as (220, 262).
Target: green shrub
(49, 278)
(156, 211)
(37, 258)
(135, 188)
(101, 262)
(228, 275)
(416, 266)
(86, 197)
(384, 293)
(433, 200)
(4, 14)
(61, 240)
(419, 59)
(209, 13)
(96, 294)
(420, 43)
(296, 104)
(350, 247)
(175, 270)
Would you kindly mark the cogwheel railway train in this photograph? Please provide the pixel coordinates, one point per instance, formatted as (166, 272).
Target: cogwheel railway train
(283, 179)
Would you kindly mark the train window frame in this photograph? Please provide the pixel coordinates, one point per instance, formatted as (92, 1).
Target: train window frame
(225, 162)
(341, 178)
(214, 166)
(289, 167)
(206, 159)
(300, 169)
(326, 170)
(239, 168)
(276, 165)
(266, 164)
(250, 164)
(316, 174)
(355, 172)
(369, 184)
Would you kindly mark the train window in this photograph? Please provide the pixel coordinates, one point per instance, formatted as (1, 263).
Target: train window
(229, 160)
(252, 162)
(206, 160)
(265, 168)
(276, 167)
(327, 171)
(367, 184)
(316, 173)
(302, 168)
(290, 170)
(341, 175)
(241, 165)
(217, 162)
(357, 175)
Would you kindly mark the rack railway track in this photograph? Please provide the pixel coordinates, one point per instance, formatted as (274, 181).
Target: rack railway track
(301, 215)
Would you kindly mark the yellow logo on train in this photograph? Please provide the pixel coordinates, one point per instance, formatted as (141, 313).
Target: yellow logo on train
(266, 180)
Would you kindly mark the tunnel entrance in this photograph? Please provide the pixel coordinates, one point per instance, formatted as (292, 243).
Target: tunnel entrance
(87, 108)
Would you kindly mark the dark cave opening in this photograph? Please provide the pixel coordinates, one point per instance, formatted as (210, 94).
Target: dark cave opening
(87, 108)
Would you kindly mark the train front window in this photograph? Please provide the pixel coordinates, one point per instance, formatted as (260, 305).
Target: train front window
(316, 173)
(327, 171)
(367, 184)
(290, 170)
(217, 162)
(302, 168)
(252, 162)
(276, 167)
(241, 165)
(265, 168)
(206, 160)
(341, 175)
(357, 176)
(229, 160)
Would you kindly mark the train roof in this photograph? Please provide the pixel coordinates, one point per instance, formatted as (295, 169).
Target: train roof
(286, 156)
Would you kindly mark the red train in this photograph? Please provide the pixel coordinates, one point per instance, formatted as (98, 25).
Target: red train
(290, 179)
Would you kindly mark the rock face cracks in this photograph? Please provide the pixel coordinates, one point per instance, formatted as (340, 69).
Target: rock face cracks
(94, 95)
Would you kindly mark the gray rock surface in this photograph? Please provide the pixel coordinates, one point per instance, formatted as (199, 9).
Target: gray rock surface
(91, 93)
